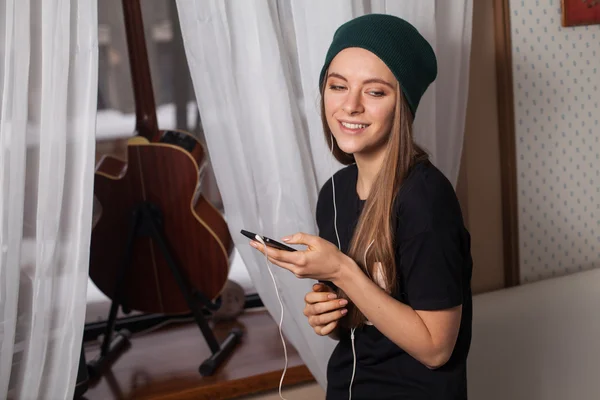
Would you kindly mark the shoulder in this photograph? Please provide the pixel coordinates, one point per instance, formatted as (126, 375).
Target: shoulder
(426, 200)
(342, 177)
(432, 241)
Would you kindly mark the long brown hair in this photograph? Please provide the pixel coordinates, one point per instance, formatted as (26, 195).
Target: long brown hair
(376, 224)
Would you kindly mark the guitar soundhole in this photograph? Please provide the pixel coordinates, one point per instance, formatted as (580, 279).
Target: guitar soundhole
(180, 139)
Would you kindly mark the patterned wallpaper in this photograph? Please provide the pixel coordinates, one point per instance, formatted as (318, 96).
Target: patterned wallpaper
(557, 92)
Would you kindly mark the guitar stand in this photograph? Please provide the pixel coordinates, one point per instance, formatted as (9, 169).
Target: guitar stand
(147, 221)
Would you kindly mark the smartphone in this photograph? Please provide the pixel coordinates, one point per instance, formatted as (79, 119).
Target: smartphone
(268, 241)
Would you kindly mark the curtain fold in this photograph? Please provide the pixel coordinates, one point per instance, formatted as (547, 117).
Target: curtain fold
(48, 96)
(255, 69)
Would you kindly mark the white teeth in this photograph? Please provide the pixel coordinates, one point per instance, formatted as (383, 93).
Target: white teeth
(354, 126)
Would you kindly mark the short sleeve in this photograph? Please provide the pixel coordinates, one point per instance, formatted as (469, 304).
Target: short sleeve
(432, 268)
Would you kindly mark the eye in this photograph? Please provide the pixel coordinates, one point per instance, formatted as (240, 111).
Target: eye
(376, 93)
(336, 87)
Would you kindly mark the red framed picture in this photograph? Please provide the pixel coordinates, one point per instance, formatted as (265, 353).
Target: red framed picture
(580, 12)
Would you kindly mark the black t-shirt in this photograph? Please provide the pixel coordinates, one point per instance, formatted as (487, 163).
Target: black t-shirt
(434, 265)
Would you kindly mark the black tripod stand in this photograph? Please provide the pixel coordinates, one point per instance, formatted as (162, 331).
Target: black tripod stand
(146, 220)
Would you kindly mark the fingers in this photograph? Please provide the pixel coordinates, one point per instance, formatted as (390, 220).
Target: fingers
(270, 251)
(326, 318)
(319, 297)
(272, 256)
(327, 329)
(301, 238)
(323, 307)
(259, 246)
(289, 257)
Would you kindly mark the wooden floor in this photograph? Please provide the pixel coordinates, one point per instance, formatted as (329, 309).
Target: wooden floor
(164, 364)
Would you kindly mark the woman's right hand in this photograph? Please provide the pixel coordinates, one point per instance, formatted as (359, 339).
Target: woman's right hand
(324, 309)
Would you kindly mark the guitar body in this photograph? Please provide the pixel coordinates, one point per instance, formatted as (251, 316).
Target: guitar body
(197, 235)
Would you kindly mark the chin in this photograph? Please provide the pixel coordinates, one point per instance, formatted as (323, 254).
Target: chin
(350, 148)
(360, 149)
(352, 144)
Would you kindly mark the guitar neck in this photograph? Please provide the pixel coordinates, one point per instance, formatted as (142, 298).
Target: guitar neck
(145, 107)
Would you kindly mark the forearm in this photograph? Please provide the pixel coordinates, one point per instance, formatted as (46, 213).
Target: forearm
(397, 321)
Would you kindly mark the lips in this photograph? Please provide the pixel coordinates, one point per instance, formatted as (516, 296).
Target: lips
(352, 127)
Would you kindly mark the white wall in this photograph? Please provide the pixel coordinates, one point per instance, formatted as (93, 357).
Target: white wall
(556, 89)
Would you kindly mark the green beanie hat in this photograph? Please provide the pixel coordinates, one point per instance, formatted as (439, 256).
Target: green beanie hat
(397, 43)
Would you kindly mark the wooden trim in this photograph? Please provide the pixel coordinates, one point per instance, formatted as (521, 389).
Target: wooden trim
(228, 390)
(508, 156)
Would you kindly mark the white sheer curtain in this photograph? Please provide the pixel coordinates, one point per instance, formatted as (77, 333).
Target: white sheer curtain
(48, 89)
(255, 67)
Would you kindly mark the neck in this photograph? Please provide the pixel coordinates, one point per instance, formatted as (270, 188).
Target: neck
(368, 168)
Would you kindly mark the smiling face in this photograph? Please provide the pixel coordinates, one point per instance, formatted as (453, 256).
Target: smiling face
(359, 102)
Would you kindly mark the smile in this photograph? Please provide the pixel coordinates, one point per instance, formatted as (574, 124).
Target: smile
(353, 127)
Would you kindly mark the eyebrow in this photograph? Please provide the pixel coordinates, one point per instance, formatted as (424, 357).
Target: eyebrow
(372, 80)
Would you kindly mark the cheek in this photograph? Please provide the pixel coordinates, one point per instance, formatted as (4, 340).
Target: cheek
(383, 114)
(332, 104)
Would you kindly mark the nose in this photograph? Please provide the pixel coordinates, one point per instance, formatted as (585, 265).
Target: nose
(353, 104)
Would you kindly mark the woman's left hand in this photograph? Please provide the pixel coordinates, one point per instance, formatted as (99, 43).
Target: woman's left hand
(321, 260)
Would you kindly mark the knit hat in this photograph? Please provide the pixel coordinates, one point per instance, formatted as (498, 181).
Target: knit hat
(397, 43)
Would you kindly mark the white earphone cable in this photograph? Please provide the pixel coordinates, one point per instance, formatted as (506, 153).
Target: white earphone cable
(352, 336)
(340, 248)
(353, 364)
(258, 238)
(334, 205)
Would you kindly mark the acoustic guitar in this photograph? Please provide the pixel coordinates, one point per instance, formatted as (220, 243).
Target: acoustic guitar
(164, 170)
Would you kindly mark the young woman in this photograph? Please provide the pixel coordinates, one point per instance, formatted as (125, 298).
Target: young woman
(393, 255)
